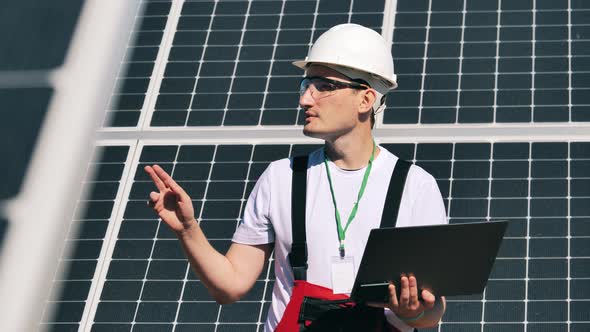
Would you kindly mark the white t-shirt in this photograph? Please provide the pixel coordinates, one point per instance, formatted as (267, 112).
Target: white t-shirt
(267, 217)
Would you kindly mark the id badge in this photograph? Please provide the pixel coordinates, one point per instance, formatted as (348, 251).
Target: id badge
(342, 274)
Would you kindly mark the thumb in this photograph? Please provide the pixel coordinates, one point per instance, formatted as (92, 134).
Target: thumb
(428, 298)
(154, 196)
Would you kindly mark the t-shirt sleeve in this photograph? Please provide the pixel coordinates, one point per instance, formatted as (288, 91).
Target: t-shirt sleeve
(255, 226)
(428, 207)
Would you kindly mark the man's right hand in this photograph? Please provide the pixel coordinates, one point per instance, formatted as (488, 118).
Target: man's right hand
(172, 204)
(227, 277)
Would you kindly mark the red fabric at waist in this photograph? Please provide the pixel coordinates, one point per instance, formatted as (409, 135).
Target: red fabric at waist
(341, 314)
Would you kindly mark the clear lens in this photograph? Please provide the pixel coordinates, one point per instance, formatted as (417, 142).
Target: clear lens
(319, 88)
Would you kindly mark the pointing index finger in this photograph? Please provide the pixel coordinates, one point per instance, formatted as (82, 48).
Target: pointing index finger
(155, 177)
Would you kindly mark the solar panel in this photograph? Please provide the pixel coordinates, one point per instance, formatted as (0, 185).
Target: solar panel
(93, 216)
(540, 187)
(129, 93)
(490, 62)
(28, 107)
(27, 21)
(230, 61)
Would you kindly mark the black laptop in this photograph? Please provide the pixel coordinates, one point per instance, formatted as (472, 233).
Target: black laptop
(447, 260)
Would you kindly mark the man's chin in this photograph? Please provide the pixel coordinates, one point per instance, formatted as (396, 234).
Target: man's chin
(309, 132)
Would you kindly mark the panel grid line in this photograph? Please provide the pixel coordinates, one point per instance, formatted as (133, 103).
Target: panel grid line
(485, 11)
(496, 65)
(460, 73)
(569, 68)
(448, 27)
(236, 61)
(533, 56)
(309, 44)
(160, 64)
(528, 238)
(569, 225)
(449, 199)
(488, 214)
(205, 45)
(149, 261)
(239, 217)
(209, 177)
(424, 62)
(180, 300)
(272, 61)
(105, 257)
(120, 74)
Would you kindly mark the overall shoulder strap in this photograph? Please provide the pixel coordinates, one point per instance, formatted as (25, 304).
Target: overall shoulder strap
(298, 255)
(394, 193)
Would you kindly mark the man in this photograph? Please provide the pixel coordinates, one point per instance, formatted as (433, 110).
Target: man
(348, 71)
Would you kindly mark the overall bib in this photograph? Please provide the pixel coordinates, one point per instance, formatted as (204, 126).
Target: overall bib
(316, 308)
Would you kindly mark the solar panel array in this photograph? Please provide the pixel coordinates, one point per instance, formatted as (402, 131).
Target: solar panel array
(230, 61)
(539, 281)
(206, 64)
(478, 61)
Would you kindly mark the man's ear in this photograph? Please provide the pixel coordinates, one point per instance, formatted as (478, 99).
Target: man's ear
(367, 100)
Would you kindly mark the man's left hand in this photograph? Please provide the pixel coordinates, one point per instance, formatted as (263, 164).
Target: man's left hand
(408, 306)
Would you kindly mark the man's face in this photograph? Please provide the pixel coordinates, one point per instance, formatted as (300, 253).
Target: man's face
(331, 116)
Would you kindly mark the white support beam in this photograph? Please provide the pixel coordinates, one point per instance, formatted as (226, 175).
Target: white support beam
(40, 215)
(406, 133)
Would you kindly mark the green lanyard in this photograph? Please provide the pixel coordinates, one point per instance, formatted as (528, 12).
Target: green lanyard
(342, 231)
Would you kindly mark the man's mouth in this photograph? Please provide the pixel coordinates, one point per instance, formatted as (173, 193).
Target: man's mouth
(309, 114)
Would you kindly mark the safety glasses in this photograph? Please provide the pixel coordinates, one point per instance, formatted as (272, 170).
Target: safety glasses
(321, 87)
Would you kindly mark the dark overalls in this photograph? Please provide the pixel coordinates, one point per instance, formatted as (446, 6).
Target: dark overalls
(316, 308)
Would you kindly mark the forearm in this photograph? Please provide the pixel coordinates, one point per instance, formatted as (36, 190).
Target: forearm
(214, 269)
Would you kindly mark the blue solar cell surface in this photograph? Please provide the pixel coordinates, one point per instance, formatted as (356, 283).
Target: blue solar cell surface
(136, 71)
(230, 61)
(540, 187)
(491, 62)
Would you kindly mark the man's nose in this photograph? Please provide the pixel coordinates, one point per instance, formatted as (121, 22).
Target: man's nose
(306, 99)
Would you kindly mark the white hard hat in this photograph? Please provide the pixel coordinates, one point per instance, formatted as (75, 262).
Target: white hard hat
(356, 47)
